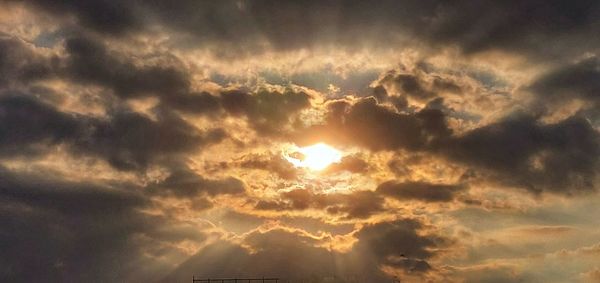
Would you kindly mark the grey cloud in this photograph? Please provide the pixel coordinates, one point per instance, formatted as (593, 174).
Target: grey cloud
(360, 204)
(518, 150)
(20, 63)
(565, 83)
(90, 61)
(273, 251)
(376, 127)
(399, 243)
(243, 222)
(127, 140)
(421, 82)
(352, 163)
(267, 110)
(76, 231)
(523, 152)
(408, 84)
(26, 122)
(419, 191)
(526, 26)
(102, 15)
(273, 163)
(355, 205)
(398, 238)
(183, 182)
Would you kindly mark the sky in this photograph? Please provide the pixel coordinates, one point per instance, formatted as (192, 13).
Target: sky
(313, 141)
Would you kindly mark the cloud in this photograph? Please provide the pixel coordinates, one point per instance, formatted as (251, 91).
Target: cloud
(73, 231)
(592, 275)
(26, 122)
(419, 191)
(269, 257)
(523, 152)
(20, 63)
(518, 150)
(250, 26)
(90, 61)
(130, 141)
(270, 162)
(134, 134)
(491, 273)
(266, 254)
(183, 182)
(408, 84)
(380, 128)
(579, 80)
(570, 83)
(399, 244)
(104, 16)
(420, 83)
(351, 163)
(358, 204)
(127, 140)
(267, 110)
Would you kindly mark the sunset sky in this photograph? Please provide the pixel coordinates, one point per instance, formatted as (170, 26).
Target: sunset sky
(314, 141)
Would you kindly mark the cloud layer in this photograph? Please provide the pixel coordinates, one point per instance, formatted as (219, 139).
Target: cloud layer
(147, 140)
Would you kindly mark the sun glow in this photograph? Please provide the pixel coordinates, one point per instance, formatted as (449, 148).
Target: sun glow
(314, 157)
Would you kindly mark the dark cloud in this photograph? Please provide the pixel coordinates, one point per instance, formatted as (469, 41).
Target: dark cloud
(273, 163)
(185, 183)
(76, 231)
(579, 80)
(422, 191)
(20, 63)
(301, 198)
(521, 151)
(377, 127)
(267, 110)
(518, 150)
(130, 140)
(101, 15)
(127, 140)
(526, 26)
(399, 243)
(359, 204)
(352, 163)
(25, 123)
(516, 27)
(90, 61)
(408, 84)
(421, 83)
(272, 251)
(238, 222)
(243, 222)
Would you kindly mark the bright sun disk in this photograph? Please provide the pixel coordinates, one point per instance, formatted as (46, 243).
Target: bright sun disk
(315, 157)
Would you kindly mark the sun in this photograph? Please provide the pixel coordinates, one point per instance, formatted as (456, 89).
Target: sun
(315, 157)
